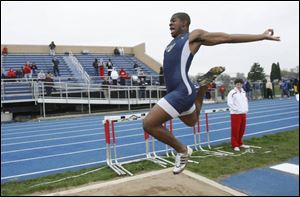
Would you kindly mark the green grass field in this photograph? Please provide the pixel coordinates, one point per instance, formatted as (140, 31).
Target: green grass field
(276, 148)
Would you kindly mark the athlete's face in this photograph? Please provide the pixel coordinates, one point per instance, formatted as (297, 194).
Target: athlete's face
(176, 26)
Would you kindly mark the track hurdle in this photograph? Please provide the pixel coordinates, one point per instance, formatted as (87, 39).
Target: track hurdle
(206, 121)
(112, 159)
(197, 141)
(152, 156)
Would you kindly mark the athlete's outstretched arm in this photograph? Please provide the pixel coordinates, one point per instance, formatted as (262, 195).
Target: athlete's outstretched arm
(214, 38)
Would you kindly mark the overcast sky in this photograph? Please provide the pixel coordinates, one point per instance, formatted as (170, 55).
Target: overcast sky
(132, 23)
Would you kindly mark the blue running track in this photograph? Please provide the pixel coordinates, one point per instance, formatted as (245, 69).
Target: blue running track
(35, 149)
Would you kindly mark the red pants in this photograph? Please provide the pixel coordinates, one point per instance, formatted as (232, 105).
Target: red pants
(238, 126)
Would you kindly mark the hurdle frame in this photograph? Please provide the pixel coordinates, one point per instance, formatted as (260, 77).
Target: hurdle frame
(113, 162)
(209, 152)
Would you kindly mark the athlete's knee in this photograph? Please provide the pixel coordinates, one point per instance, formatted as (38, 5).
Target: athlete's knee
(190, 123)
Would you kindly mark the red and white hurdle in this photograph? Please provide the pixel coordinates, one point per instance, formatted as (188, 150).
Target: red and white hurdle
(197, 141)
(112, 159)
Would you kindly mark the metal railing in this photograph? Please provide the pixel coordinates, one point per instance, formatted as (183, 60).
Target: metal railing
(77, 67)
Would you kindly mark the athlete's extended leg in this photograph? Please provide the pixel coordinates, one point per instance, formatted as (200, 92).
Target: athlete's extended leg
(153, 125)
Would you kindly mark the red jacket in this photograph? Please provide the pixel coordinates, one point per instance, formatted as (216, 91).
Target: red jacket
(101, 70)
(11, 73)
(26, 69)
(222, 89)
(123, 74)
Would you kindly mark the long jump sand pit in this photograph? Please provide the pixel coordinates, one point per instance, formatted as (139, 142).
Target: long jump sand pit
(157, 183)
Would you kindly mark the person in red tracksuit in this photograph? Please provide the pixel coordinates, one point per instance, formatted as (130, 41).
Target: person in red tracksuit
(238, 104)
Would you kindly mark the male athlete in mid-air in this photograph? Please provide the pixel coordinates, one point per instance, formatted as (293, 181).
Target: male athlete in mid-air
(182, 100)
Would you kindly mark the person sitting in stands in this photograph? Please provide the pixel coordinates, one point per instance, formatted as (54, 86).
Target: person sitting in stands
(19, 72)
(41, 76)
(27, 71)
(101, 69)
(34, 68)
(49, 83)
(11, 73)
(123, 76)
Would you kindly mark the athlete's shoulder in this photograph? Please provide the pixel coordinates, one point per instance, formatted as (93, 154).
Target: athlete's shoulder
(196, 35)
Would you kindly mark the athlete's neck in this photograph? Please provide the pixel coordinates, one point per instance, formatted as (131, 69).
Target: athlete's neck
(181, 34)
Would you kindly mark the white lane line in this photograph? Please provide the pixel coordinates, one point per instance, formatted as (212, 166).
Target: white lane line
(287, 167)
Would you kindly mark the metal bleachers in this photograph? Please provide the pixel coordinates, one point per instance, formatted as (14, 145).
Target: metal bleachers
(43, 62)
(20, 89)
(121, 61)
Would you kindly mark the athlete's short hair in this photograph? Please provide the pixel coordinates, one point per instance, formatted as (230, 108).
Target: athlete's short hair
(182, 16)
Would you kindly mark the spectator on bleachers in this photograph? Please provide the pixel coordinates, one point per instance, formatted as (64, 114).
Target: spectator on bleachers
(33, 68)
(5, 51)
(109, 66)
(101, 69)
(52, 47)
(49, 83)
(142, 91)
(121, 49)
(27, 72)
(114, 76)
(141, 74)
(11, 74)
(116, 51)
(123, 76)
(136, 68)
(41, 76)
(105, 85)
(19, 73)
(95, 65)
(55, 62)
(161, 77)
(135, 80)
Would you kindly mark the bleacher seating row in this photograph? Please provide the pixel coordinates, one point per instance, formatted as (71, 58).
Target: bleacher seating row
(124, 61)
(44, 62)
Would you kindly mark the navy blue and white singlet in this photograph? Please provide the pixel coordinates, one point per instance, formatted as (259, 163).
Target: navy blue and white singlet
(181, 92)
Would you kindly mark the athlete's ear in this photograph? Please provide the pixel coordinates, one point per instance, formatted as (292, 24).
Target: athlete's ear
(185, 23)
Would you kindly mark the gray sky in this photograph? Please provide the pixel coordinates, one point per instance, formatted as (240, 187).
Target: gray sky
(132, 23)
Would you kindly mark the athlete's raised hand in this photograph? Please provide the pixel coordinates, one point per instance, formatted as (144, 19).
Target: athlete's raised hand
(269, 35)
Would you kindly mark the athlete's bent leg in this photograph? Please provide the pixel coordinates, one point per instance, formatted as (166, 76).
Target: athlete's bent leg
(153, 125)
